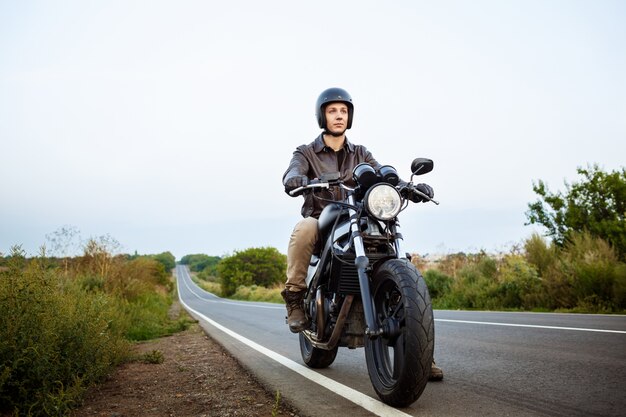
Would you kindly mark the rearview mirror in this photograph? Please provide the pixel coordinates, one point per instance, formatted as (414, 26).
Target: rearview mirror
(421, 166)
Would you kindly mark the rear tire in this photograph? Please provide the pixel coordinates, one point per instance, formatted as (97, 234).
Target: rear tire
(399, 365)
(316, 357)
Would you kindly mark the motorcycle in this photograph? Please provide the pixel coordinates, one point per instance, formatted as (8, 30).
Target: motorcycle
(362, 289)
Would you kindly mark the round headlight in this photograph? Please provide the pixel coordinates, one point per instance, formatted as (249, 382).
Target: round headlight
(383, 201)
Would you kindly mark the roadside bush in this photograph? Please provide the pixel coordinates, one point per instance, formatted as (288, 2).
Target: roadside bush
(166, 259)
(452, 264)
(540, 254)
(585, 274)
(259, 266)
(519, 286)
(595, 275)
(65, 323)
(438, 284)
(475, 285)
(55, 338)
(208, 274)
(127, 279)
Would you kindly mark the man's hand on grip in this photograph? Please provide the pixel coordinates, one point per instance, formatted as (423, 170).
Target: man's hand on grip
(411, 194)
(296, 182)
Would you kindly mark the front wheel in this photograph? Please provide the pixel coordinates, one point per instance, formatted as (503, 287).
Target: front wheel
(399, 361)
(316, 357)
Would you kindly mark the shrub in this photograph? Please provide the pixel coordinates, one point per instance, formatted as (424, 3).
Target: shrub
(519, 285)
(475, 284)
(154, 357)
(260, 266)
(166, 259)
(65, 323)
(539, 254)
(55, 339)
(594, 273)
(438, 283)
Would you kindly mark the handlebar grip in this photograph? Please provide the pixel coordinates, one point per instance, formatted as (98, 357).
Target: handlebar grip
(295, 191)
(415, 190)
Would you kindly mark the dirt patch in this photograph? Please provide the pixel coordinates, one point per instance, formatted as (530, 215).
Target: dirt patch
(196, 378)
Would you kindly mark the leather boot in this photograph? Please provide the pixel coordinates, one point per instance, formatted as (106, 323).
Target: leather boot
(295, 315)
(436, 373)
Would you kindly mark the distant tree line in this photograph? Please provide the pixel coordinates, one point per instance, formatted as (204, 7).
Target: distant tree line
(201, 263)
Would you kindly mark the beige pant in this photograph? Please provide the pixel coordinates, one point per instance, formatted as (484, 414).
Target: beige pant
(301, 246)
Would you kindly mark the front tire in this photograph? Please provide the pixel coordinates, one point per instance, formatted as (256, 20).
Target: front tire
(316, 357)
(399, 362)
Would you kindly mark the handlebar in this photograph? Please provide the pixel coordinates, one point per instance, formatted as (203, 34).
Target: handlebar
(327, 185)
(318, 185)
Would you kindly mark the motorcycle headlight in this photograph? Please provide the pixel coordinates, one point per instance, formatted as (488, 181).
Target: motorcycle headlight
(383, 201)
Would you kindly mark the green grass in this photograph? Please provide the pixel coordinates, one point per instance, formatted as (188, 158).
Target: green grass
(210, 286)
(148, 318)
(258, 293)
(244, 293)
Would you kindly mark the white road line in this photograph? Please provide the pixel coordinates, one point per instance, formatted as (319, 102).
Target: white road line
(535, 326)
(539, 313)
(531, 326)
(373, 406)
(219, 300)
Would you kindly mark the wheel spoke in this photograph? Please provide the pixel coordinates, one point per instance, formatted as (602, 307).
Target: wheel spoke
(388, 357)
(397, 309)
(398, 357)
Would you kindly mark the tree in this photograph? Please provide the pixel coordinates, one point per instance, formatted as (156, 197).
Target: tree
(596, 204)
(254, 266)
(199, 262)
(167, 259)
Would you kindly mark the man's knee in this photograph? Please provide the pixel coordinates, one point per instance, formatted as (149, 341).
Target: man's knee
(306, 230)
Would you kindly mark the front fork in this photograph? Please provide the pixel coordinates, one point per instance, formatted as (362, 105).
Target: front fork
(372, 329)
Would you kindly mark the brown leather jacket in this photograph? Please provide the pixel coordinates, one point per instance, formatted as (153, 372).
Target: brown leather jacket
(316, 159)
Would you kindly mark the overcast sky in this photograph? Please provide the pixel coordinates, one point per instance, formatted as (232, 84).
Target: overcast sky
(168, 125)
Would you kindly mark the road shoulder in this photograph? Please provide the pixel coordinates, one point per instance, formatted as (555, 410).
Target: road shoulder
(197, 377)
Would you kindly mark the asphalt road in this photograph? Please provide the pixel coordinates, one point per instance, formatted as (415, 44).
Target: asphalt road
(495, 364)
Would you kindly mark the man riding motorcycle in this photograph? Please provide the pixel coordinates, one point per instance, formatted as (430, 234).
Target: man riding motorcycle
(329, 152)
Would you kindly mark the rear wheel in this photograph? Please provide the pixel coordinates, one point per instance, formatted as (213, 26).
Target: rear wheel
(399, 361)
(316, 357)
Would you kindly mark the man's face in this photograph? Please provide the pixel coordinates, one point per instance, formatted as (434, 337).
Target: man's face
(336, 118)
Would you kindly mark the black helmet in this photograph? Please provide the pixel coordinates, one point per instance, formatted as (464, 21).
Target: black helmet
(333, 95)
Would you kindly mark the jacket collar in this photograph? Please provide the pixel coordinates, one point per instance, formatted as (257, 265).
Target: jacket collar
(319, 145)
